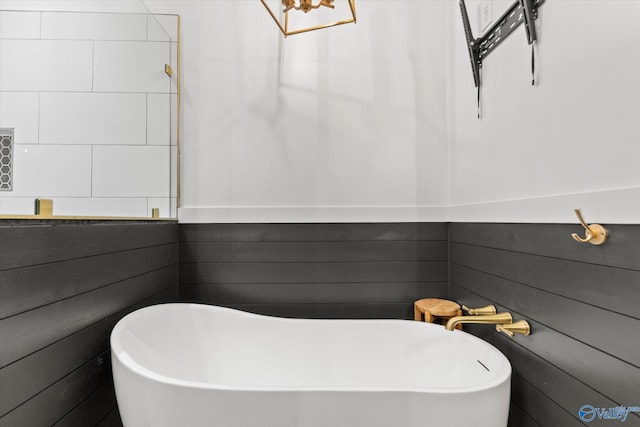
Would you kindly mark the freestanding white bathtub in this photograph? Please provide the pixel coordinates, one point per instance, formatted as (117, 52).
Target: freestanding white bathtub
(190, 365)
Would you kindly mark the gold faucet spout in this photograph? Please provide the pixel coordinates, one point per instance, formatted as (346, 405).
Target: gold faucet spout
(494, 319)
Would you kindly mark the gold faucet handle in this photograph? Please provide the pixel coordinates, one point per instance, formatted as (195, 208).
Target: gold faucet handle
(488, 310)
(506, 331)
(519, 327)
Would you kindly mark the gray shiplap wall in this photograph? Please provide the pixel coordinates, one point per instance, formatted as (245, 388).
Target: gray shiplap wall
(314, 270)
(62, 289)
(582, 301)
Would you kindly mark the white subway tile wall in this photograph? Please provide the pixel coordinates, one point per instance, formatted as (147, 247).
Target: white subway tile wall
(131, 66)
(98, 118)
(17, 204)
(106, 206)
(174, 119)
(158, 119)
(162, 114)
(131, 171)
(46, 65)
(20, 25)
(51, 171)
(164, 204)
(173, 174)
(162, 28)
(174, 60)
(19, 110)
(93, 111)
(93, 26)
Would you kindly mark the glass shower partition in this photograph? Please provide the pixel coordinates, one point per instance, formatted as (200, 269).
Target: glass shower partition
(89, 113)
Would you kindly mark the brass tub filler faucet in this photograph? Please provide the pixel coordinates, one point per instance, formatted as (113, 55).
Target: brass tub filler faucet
(488, 316)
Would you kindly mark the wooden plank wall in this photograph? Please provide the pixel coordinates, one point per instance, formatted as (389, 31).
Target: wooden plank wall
(314, 270)
(62, 289)
(583, 304)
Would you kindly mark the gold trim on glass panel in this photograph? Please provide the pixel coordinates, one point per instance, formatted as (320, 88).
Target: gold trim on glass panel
(179, 125)
(44, 210)
(85, 218)
(44, 207)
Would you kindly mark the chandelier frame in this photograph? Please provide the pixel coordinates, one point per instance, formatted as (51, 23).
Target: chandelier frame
(284, 26)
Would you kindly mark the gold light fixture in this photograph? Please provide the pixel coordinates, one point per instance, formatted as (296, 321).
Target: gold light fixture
(300, 22)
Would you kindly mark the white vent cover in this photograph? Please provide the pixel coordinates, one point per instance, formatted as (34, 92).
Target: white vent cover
(6, 159)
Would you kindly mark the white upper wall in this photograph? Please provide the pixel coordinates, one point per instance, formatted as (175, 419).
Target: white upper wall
(353, 123)
(346, 124)
(377, 121)
(572, 141)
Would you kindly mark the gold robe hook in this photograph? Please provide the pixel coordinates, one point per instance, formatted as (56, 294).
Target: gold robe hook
(595, 234)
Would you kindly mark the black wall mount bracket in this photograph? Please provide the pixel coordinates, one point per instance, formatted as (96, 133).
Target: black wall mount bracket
(521, 11)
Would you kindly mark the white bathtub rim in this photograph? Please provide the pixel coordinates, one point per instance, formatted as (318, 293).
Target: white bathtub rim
(128, 362)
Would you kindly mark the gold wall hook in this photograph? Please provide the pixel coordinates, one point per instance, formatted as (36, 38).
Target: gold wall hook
(595, 234)
(519, 327)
